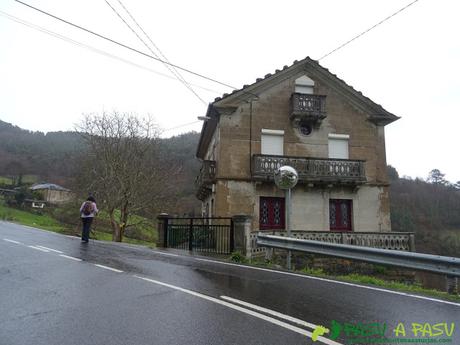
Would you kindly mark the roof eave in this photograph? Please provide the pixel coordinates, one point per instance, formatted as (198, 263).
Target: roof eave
(207, 130)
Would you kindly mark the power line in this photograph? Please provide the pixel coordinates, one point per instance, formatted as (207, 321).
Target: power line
(102, 52)
(185, 69)
(93, 49)
(124, 45)
(180, 126)
(366, 31)
(171, 69)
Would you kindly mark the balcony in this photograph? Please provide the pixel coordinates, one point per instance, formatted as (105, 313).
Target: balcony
(205, 179)
(308, 108)
(311, 170)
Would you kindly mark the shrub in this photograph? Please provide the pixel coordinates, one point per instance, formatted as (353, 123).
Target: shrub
(238, 257)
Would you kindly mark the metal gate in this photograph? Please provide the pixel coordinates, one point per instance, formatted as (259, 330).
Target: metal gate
(210, 235)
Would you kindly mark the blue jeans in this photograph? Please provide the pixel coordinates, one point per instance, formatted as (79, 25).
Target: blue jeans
(86, 227)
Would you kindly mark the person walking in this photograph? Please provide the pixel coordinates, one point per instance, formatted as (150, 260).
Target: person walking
(88, 211)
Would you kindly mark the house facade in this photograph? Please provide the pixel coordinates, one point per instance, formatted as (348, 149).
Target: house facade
(306, 117)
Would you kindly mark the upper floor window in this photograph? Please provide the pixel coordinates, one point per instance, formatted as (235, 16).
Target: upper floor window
(304, 85)
(272, 142)
(338, 146)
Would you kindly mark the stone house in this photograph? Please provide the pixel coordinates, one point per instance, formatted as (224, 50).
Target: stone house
(306, 117)
(53, 193)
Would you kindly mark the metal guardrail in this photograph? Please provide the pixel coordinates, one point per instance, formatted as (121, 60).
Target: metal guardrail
(417, 261)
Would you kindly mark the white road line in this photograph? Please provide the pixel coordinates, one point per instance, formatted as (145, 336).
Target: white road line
(162, 253)
(271, 312)
(108, 268)
(333, 281)
(41, 249)
(51, 250)
(11, 241)
(70, 257)
(243, 310)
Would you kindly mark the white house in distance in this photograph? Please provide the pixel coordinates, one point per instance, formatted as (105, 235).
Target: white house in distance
(53, 193)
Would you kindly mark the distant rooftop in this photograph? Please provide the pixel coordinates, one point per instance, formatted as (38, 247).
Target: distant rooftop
(52, 186)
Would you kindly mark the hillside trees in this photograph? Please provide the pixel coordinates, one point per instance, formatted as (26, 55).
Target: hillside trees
(431, 210)
(44, 155)
(15, 170)
(125, 167)
(435, 176)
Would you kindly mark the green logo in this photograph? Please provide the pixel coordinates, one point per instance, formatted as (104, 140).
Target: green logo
(318, 331)
(374, 332)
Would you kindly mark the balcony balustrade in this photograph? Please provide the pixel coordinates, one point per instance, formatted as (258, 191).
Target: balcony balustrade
(311, 170)
(403, 241)
(309, 108)
(205, 179)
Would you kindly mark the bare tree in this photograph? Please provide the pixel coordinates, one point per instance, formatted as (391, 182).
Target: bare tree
(124, 167)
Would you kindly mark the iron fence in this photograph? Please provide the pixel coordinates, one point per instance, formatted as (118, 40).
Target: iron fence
(209, 235)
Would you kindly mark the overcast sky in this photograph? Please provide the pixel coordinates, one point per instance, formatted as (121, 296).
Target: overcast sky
(409, 64)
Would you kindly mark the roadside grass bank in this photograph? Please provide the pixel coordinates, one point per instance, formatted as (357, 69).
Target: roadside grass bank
(357, 278)
(398, 286)
(38, 220)
(47, 221)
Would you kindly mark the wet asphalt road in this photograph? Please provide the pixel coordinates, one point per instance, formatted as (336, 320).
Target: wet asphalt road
(161, 297)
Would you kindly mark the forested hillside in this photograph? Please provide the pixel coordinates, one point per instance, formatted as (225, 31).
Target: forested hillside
(54, 157)
(49, 156)
(430, 209)
(182, 150)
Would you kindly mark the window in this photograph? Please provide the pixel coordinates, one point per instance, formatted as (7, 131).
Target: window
(304, 85)
(271, 214)
(340, 214)
(272, 142)
(338, 146)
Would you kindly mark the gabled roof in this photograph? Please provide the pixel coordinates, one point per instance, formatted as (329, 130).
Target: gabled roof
(230, 101)
(52, 186)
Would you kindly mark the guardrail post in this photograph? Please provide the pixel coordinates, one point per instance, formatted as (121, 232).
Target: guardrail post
(452, 285)
(411, 242)
(162, 230)
(242, 234)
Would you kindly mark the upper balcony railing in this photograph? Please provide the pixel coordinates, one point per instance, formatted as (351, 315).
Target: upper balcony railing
(314, 170)
(308, 107)
(205, 179)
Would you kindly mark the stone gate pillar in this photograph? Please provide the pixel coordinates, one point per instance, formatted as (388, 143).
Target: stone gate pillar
(242, 225)
(162, 230)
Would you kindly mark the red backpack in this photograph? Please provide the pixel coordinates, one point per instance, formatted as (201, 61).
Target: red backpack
(88, 208)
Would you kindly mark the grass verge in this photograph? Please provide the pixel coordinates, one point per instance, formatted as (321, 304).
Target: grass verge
(359, 279)
(38, 220)
(394, 285)
(44, 221)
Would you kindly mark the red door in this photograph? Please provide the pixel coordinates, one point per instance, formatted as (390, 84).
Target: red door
(271, 213)
(340, 214)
